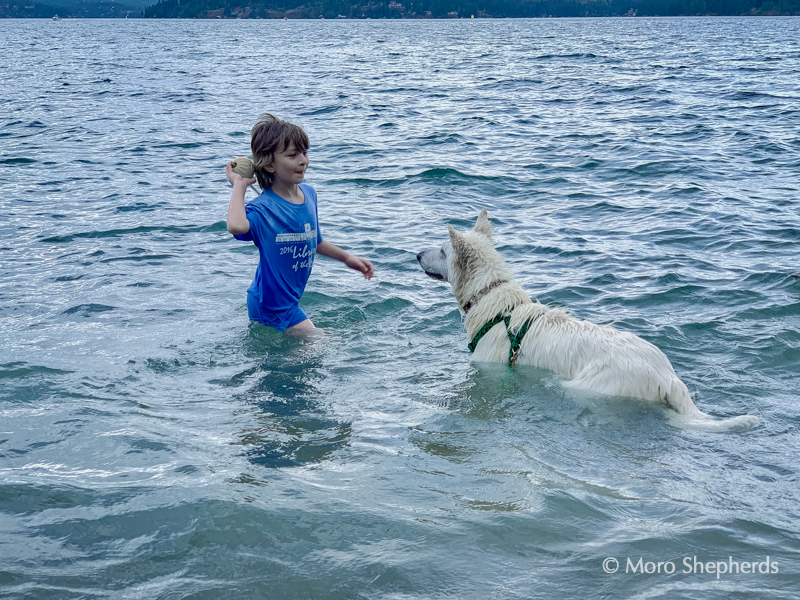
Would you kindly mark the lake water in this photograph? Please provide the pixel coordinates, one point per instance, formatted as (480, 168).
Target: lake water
(154, 444)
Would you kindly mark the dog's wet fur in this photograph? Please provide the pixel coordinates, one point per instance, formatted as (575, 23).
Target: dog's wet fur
(594, 358)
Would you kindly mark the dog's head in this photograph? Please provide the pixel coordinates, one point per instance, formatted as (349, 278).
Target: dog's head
(467, 261)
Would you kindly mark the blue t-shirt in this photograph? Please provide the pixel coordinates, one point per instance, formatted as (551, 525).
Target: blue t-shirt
(286, 236)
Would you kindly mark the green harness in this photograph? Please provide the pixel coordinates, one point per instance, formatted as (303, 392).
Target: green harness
(515, 339)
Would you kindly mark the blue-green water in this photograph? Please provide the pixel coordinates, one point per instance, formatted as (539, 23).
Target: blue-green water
(153, 444)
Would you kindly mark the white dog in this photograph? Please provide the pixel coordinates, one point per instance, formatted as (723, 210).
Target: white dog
(504, 325)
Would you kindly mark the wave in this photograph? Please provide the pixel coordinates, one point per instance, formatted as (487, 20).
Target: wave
(86, 310)
(586, 55)
(435, 175)
(17, 161)
(23, 370)
(115, 233)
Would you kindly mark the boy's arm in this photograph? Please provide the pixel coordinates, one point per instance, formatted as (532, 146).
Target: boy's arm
(237, 218)
(362, 265)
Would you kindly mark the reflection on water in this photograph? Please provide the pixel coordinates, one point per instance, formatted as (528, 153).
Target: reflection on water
(291, 426)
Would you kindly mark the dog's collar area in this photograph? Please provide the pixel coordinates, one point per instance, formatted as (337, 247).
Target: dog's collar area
(474, 300)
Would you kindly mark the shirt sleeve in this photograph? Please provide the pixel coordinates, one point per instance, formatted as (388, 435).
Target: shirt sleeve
(247, 237)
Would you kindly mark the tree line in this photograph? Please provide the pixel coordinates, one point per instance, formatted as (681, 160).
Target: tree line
(25, 9)
(399, 9)
(396, 9)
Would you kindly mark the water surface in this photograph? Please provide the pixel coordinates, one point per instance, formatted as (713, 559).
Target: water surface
(154, 444)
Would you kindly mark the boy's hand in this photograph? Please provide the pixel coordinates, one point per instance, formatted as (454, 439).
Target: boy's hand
(361, 265)
(234, 177)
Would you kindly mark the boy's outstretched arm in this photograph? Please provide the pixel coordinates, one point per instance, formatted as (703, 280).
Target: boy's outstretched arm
(237, 218)
(362, 265)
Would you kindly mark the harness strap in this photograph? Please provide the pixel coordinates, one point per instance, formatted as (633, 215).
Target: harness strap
(483, 331)
(515, 340)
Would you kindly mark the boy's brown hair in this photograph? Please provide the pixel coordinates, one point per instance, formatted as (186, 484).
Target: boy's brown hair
(268, 136)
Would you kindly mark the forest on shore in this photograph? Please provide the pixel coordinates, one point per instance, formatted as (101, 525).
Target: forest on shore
(420, 9)
(391, 9)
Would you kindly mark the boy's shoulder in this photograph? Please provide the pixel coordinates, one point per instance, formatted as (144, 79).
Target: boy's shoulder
(267, 196)
(260, 202)
(269, 203)
(308, 189)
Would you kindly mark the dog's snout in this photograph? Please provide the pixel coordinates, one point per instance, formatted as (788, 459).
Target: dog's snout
(419, 256)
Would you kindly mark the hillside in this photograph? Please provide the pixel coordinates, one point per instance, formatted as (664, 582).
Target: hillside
(72, 8)
(391, 9)
(377, 9)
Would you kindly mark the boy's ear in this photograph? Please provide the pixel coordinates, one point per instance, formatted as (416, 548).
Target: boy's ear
(482, 225)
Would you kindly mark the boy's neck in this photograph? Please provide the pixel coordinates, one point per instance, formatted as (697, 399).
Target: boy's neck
(290, 192)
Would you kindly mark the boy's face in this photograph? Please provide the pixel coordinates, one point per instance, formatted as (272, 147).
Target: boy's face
(289, 165)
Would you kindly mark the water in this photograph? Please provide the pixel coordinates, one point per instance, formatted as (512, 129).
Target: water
(155, 445)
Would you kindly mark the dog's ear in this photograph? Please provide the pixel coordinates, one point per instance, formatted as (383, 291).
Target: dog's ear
(455, 237)
(461, 248)
(482, 225)
(460, 245)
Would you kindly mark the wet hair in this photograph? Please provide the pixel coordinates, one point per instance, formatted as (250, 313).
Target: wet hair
(268, 136)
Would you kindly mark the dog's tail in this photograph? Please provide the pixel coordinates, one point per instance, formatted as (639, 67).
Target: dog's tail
(686, 415)
(701, 421)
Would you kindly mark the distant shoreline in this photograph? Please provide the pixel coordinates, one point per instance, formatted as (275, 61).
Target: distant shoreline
(61, 16)
(396, 9)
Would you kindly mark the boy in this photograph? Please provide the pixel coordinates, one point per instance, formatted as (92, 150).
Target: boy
(283, 224)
